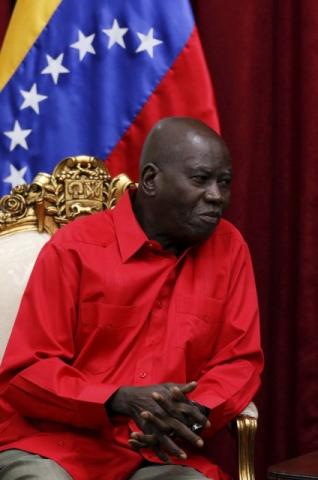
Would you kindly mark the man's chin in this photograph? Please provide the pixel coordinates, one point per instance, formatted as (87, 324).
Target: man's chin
(198, 235)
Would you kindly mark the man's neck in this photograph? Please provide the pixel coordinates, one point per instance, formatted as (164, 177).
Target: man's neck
(147, 221)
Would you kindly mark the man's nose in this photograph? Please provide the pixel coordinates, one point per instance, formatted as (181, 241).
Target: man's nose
(213, 193)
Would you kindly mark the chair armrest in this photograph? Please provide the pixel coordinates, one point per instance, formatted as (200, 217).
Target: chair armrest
(246, 424)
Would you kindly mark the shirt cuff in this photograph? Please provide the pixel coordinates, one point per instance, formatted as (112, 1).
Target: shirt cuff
(91, 404)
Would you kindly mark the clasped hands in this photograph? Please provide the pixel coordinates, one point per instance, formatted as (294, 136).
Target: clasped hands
(163, 413)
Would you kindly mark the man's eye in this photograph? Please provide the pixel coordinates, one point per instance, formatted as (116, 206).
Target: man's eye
(200, 178)
(225, 181)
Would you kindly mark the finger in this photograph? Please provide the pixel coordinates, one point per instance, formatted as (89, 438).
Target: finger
(186, 412)
(136, 442)
(193, 410)
(144, 426)
(183, 431)
(160, 424)
(194, 415)
(173, 408)
(179, 392)
(163, 456)
(139, 440)
(136, 445)
(162, 430)
(207, 424)
(188, 387)
(159, 440)
(168, 444)
(146, 439)
(165, 426)
(162, 442)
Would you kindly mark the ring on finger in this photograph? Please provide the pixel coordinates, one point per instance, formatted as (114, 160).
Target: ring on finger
(196, 427)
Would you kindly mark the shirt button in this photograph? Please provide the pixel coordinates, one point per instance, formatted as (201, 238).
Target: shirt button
(159, 304)
(150, 244)
(142, 374)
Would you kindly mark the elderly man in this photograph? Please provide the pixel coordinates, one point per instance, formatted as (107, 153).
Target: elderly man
(138, 333)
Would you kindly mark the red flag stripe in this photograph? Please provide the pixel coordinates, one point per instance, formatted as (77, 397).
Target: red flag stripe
(185, 90)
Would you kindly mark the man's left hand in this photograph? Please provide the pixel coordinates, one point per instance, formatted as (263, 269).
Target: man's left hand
(181, 416)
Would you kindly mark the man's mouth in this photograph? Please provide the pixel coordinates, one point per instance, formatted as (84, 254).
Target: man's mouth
(210, 216)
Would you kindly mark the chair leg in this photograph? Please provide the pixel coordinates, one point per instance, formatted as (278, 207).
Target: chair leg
(246, 430)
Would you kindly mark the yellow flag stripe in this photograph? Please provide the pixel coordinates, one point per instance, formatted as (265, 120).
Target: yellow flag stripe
(28, 20)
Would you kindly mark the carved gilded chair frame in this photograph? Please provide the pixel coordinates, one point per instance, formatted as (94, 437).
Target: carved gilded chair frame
(78, 186)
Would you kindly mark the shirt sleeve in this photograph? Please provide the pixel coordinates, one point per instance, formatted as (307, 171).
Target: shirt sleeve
(229, 381)
(37, 377)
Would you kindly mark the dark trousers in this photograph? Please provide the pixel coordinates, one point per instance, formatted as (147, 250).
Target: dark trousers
(18, 465)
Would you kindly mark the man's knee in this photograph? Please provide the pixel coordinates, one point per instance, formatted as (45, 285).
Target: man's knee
(167, 472)
(18, 464)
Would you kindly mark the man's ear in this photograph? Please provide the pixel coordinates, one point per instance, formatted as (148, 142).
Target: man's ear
(148, 180)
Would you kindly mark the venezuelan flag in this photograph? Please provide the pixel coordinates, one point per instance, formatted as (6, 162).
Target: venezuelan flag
(92, 77)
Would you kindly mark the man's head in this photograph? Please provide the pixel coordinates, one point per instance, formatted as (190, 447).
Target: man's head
(184, 185)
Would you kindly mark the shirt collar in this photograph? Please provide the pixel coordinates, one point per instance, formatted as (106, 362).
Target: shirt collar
(130, 235)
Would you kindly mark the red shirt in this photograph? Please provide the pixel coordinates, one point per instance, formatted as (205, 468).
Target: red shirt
(106, 307)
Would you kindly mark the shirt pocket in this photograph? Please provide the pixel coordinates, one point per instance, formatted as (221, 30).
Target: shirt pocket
(198, 320)
(105, 334)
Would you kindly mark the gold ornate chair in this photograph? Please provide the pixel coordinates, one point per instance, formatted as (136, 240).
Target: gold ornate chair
(31, 213)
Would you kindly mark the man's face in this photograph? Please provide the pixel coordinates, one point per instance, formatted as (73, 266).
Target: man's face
(193, 190)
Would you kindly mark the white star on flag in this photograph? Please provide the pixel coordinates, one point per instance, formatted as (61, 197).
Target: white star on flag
(147, 42)
(116, 34)
(16, 176)
(32, 99)
(18, 136)
(84, 45)
(55, 67)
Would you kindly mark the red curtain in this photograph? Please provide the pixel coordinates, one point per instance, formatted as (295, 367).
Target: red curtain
(263, 59)
(6, 7)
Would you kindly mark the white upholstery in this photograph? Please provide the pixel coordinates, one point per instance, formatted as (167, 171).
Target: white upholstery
(18, 252)
(251, 410)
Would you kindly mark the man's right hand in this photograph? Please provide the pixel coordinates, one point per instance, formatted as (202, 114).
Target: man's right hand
(162, 412)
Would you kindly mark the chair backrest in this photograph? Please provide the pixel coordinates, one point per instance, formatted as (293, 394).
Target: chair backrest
(31, 213)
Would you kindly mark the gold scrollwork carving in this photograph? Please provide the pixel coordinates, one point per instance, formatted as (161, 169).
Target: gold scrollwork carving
(117, 187)
(79, 185)
(14, 208)
(14, 205)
